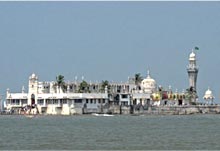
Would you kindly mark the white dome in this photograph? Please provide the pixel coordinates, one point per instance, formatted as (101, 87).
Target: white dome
(192, 56)
(33, 76)
(208, 94)
(148, 84)
(148, 79)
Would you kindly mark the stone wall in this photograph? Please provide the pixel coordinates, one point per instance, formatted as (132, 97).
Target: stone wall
(179, 110)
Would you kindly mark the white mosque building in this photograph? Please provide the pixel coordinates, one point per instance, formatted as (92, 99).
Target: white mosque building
(45, 97)
(49, 98)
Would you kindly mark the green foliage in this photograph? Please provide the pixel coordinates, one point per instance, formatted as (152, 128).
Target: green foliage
(191, 95)
(60, 82)
(83, 87)
(138, 78)
(104, 84)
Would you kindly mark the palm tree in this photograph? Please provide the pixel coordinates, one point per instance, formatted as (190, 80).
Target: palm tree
(60, 82)
(104, 84)
(137, 79)
(191, 95)
(83, 87)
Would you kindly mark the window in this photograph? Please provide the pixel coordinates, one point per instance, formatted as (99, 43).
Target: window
(55, 101)
(17, 102)
(87, 101)
(40, 101)
(103, 101)
(64, 101)
(99, 101)
(124, 96)
(91, 101)
(78, 101)
(94, 101)
(49, 101)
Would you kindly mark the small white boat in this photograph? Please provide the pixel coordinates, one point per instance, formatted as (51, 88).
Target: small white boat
(95, 114)
(108, 115)
(29, 116)
(102, 114)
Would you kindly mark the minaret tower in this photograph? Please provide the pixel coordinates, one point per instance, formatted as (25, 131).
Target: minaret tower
(32, 89)
(192, 70)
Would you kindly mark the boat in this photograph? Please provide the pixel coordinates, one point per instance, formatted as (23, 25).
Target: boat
(29, 116)
(95, 114)
(108, 115)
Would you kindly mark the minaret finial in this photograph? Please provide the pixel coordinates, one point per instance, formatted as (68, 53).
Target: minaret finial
(169, 87)
(23, 89)
(148, 73)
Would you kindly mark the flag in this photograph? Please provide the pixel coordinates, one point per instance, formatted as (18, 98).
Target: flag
(196, 48)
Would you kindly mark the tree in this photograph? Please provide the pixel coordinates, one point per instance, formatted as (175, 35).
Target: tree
(60, 82)
(191, 95)
(104, 84)
(83, 87)
(137, 79)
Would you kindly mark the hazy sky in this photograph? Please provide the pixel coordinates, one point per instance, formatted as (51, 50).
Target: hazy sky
(109, 41)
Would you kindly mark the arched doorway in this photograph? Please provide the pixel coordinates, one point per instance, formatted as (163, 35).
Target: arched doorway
(180, 102)
(32, 99)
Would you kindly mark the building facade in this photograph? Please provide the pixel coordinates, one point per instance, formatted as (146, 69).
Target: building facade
(81, 97)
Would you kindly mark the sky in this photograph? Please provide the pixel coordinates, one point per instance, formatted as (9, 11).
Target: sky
(109, 41)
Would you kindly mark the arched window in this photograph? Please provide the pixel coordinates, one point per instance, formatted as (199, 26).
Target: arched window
(32, 99)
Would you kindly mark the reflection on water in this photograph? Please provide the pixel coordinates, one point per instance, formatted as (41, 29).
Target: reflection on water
(118, 132)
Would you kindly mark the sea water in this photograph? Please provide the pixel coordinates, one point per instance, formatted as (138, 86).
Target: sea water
(120, 132)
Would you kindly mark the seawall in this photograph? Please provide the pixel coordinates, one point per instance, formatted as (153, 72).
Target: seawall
(178, 110)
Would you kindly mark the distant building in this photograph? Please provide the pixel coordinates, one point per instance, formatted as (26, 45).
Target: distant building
(97, 97)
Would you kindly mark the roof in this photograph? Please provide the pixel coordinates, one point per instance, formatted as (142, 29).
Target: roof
(17, 96)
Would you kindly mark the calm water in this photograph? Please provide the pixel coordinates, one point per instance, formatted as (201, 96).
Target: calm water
(110, 133)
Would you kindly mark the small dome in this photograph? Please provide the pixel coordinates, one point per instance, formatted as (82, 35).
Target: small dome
(148, 79)
(148, 84)
(192, 56)
(208, 94)
(33, 76)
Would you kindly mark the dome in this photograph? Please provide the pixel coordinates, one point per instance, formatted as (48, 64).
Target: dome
(33, 76)
(192, 56)
(208, 94)
(148, 79)
(148, 84)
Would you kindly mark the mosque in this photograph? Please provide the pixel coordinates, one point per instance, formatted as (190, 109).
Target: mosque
(72, 98)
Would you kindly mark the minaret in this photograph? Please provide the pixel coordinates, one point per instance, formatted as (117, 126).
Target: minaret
(32, 89)
(192, 70)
